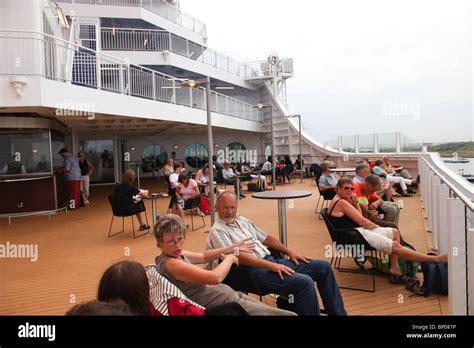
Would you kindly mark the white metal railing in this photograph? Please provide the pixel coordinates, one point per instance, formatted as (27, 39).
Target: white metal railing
(39, 54)
(118, 39)
(273, 66)
(129, 39)
(158, 7)
(394, 142)
(448, 200)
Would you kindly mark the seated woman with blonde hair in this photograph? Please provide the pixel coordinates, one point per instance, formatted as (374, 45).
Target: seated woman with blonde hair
(199, 285)
(345, 212)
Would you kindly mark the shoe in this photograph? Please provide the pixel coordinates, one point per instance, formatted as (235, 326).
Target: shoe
(401, 279)
(144, 227)
(400, 204)
(187, 226)
(405, 194)
(87, 202)
(411, 191)
(414, 286)
(242, 196)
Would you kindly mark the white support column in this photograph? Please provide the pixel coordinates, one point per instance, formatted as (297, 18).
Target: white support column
(435, 213)
(429, 200)
(441, 197)
(74, 142)
(421, 168)
(376, 143)
(398, 136)
(339, 143)
(471, 269)
(457, 300)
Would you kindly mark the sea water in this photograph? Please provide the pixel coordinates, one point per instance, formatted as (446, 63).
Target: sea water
(462, 168)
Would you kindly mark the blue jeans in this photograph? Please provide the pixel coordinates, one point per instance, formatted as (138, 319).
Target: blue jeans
(300, 286)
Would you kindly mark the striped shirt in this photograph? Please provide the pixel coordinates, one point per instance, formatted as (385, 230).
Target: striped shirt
(161, 291)
(223, 235)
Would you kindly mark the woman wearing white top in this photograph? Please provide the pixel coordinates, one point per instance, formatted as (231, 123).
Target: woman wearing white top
(260, 178)
(230, 177)
(202, 179)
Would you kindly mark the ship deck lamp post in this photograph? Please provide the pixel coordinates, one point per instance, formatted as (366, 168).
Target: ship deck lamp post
(269, 106)
(301, 145)
(206, 83)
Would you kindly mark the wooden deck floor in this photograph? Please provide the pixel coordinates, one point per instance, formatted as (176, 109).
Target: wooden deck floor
(74, 251)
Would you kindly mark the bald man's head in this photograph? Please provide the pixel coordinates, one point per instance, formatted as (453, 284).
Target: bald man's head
(226, 206)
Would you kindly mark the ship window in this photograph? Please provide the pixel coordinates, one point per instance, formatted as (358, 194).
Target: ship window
(195, 155)
(236, 153)
(156, 156)
(25, 153)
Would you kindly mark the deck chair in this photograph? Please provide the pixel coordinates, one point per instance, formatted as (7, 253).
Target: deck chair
(163, 295)
(122, 206)
(324, 198)
(352, 238)
(169, 300)
(192, 208)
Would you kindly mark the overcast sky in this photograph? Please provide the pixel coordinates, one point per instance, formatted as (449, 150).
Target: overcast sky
(360, 66)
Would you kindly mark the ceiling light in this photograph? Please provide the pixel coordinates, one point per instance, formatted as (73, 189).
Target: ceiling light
(61, 17)
(225, 87)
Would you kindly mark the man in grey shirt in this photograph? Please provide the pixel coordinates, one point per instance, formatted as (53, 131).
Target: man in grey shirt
(327, 181)
(72, 173)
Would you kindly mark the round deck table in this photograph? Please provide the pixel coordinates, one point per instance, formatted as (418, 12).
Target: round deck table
(282, 196)
(153, 197)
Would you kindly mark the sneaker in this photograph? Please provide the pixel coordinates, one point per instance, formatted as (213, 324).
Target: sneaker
(87, 202)
(144, 227)
(400, 204)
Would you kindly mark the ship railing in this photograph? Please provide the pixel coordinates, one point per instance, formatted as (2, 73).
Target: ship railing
(28, 53)
(394, 142)
(129, 39)
(448, 201)
(158, 7)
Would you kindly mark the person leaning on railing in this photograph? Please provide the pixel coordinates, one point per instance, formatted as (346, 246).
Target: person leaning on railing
(345, 213)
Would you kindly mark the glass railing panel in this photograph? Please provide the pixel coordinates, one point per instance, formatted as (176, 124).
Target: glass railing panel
(407, 144)
(366, 143)
(348, 143)
(387, 142)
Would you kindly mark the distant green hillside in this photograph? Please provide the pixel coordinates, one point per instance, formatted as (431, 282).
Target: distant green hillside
(464, 149)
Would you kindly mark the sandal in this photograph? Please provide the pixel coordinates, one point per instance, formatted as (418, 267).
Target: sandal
(414, 286)
(401, 279)
(144, 227)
